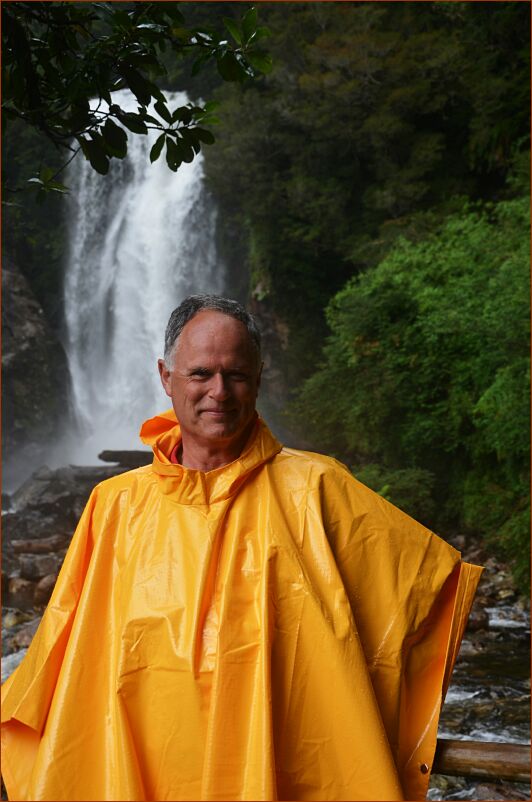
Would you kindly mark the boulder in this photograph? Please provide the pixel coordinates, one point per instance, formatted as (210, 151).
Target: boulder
(128, 459)
(35, 566)
(44, 546)
(20, 592)
(34, 373)
(43, 590)
(24, 636)
(10, 663)
(478, 619)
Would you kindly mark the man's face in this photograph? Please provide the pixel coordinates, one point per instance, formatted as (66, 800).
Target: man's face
(213, 380)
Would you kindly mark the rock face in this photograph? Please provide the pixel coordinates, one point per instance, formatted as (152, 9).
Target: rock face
(37, 530)
(34, 375)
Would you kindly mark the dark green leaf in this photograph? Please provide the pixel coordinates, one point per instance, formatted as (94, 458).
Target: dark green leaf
(95, 154)
(163, 111)
(260, 61)
(249, 23)
(260, 33)
(233, 29)
(156, 93)
(140, 87)
(155, 152)
(173, 13)
(115, 139)
(45, 174)
(173, 155)
(151, 26)
(55, 186)
(186, 150)
(183, 114)
(198, 64)
(149, 119)
(121, 19)
(204, 136)
(229, 67)
(180, 33)
(191, 138)
(133, 122)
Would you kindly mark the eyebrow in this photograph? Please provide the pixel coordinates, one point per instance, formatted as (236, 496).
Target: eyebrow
(203, 369)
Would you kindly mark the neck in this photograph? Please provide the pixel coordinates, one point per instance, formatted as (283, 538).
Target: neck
(208, 456)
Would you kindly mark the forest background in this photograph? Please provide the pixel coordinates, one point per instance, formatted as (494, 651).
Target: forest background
(373, 187)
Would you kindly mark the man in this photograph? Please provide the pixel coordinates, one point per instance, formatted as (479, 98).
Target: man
(238, 620)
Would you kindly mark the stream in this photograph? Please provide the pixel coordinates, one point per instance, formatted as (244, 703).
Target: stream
(489, 695)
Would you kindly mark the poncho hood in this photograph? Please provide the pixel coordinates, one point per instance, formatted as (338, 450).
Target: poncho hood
(189, 486)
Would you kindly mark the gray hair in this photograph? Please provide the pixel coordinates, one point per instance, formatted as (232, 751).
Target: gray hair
(190, 307)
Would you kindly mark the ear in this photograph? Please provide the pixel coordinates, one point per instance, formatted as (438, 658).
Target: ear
(165, 375)
(259, 376)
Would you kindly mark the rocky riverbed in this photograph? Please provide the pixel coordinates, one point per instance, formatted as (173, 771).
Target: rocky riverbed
(489, 698)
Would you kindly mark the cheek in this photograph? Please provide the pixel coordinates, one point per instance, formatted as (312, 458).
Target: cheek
(247, 396)
(190, 396)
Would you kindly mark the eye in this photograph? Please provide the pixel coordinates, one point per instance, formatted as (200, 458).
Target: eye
(200, 373)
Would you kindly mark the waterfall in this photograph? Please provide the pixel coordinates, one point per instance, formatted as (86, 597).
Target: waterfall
(140, 240)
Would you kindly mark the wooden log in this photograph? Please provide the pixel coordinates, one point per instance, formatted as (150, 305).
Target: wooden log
(482, 759)
(128, 459)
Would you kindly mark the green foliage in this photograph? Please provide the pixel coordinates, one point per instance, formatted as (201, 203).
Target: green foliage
(428, 367)
(374, 119)
(410, 489)
(58, 56)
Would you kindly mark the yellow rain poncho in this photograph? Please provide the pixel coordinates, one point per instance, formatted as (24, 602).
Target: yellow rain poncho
(268, 630)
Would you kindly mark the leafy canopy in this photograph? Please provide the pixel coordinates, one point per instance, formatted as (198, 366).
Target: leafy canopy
(428, 367)
(58, 56)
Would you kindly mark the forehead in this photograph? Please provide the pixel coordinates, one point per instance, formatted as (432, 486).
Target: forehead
(212, 335)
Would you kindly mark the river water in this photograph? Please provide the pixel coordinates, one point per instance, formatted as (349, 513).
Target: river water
(489, 696)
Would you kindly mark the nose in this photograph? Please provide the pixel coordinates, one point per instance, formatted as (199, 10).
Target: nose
(217, 388)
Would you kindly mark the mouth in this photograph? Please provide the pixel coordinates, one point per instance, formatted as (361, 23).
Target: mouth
(217, 414)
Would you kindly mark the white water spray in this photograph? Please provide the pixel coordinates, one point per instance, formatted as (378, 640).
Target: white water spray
(141, 239)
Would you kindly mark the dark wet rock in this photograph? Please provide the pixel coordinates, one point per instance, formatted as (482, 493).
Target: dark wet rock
(500, 791)
(43, 590)
(458, 788)
(35, 566)
(128, 459)
(60, 494)
(6, 501)
(489, 696)
(18, 629)
(506, 594)
(11, 661)
(478, 619)
(38, 529)
(24, 635)
(11, 617)
(34, 374)
(44, 546)
(29, 525)
(20, 592)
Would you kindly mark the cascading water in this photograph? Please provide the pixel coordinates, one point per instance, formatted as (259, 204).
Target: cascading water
(141, 239)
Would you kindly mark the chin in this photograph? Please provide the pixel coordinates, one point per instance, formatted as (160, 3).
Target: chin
(220, 431)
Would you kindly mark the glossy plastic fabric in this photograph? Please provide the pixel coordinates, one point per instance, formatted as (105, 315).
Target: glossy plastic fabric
(268, 630)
